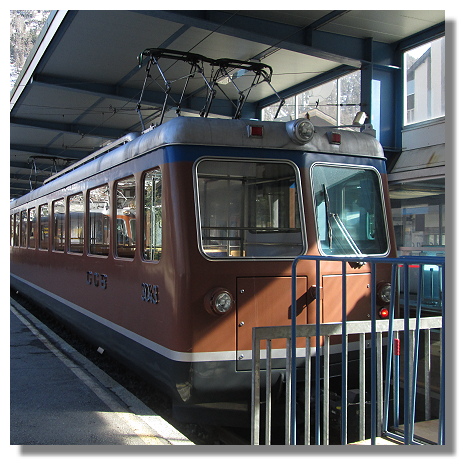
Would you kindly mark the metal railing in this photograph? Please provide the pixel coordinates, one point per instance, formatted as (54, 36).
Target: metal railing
(387, 385)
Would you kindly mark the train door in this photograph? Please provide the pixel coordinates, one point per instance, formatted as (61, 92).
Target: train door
(266, 301)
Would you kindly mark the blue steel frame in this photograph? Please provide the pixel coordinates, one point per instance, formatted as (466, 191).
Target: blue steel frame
(409, 389)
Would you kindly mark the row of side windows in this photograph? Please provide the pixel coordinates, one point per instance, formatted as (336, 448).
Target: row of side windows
(35, 227)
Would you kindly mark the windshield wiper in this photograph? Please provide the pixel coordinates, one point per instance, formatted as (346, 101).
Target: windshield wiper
(328, 214)
(347, 235)
(339, 222)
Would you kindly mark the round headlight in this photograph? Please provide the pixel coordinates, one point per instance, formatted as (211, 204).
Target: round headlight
(384, 292)
(219, 301)
(300, 131)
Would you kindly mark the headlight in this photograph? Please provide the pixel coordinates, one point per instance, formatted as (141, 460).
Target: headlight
(219, 301)
(384, 293)
(300, 131)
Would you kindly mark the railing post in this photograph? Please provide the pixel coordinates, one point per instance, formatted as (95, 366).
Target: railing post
(441, 438)
(373, 359)
(293, 407)
(317, 353)
(344, 359)
(255, 389)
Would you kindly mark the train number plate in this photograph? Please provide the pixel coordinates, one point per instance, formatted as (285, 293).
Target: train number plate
(97, 279)
(149, 293)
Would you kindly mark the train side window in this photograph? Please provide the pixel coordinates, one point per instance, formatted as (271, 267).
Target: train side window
(76, 223)
(12, 230)
(16, 229)
(152, 215)
(98, 216)
(125, 219)
(23, 228)
(43, 227)
(58, 211)
(32, 227)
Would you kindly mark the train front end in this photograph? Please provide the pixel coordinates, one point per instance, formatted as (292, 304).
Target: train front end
(265, 193)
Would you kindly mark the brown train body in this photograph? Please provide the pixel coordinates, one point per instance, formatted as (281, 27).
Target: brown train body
(145, 293)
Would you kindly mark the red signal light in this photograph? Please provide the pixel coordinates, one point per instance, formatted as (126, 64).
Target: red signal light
(255, 131)
(384, 313)
(334, 138)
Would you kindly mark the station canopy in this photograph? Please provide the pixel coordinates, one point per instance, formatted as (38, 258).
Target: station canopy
(95, 76)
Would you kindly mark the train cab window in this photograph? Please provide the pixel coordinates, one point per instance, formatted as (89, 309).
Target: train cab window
(125, 222)
(44, 227)
(32, 228)
(58, 212)
(98, 216)
(152, 223)
(76, 210)
(349, 210)
(249, 209)
(23, 228)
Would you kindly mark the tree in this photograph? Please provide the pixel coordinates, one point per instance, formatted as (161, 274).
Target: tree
(25, 28)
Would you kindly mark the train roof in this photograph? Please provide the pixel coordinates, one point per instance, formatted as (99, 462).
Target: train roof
(210, 132)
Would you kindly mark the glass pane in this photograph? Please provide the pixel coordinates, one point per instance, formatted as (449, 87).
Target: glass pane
(99, 220)
(125, 217)
(58, 210)
(76, 225)
(17, 229)
(425, 82)
(12, 230)
(418, 210)
(349, 211)
(286, 113)
(24, 228)
(153, 215)
(349, 97)
(44, 227)
(32, 228)
(321, 104)
(249, 209)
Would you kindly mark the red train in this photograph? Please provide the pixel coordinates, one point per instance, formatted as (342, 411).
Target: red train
(168, 249)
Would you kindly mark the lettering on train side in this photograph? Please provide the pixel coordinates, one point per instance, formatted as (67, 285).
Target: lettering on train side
(149, 293)
(97, 279)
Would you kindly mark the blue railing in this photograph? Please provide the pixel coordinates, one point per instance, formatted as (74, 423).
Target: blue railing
(400, 299)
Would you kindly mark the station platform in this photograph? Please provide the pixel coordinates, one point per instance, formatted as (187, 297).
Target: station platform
(58, 397)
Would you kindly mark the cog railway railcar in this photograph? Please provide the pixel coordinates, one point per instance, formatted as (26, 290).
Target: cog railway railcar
(168, 249)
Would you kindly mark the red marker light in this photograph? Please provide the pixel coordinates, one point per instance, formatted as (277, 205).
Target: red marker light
(255, 131)
(383, 313)
(334, 138)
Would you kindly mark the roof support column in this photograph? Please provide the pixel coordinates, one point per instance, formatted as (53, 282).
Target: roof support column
(381, 99)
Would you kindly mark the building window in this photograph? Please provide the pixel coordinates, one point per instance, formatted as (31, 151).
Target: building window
(425, 82)
(152, 215)
(125, 217)
(98, 210)
(334, 103)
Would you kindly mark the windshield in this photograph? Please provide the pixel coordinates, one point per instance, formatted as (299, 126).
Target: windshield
(349, 210)
(248, 209)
